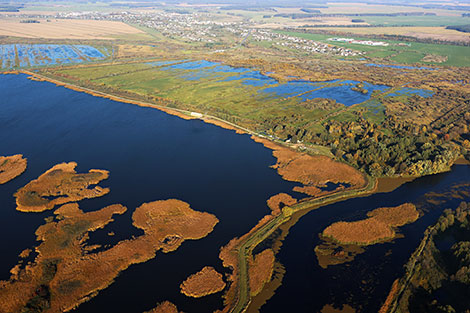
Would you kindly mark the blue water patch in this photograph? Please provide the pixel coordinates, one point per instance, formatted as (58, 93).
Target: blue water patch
(406, 91)
(259, 82)
(296, 87)
(45, 54)
(194, 65)
(229, 69)
(342, 92)
(161, 63)
(252, 78)
(402, 67)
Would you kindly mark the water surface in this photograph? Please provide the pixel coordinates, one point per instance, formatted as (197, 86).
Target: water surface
(365, 282)
(151, 156)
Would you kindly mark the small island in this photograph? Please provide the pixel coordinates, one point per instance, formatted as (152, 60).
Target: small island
(164, 307)
(205, 282)
(378, 227)
(11, 167)
(342, 241)
(58, 185)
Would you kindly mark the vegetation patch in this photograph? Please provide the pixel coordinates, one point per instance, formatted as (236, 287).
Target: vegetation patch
(66, 272)
(58, 185)
(277, 202)
(11, 167)
(260, 270)
(164, 307)
(342, 241)
(314, 172)
(205, 282)
(376, 228)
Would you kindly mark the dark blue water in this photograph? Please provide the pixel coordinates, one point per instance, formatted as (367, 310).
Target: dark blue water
(45, 54)
(365, 282)
(151, 156)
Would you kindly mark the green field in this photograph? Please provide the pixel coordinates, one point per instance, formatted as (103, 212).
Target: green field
(457, 55)
(416, 20)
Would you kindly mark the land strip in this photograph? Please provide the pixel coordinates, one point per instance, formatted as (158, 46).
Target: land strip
(247, 246)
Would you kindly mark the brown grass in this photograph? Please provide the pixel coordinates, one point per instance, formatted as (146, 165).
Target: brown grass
(376, 228)
(276, 202)
(63, 183)
(72, 273)
(11, 167)
(331, 309)
(205, 282)
(392, 294)
(66, 29)
(260, 270)
(396, 216)
(314, 172)
(164, 307)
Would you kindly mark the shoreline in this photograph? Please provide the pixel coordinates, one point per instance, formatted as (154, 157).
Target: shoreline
(184, 114)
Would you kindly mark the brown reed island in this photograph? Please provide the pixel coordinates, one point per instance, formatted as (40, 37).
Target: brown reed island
(67, 272)
(164, 307)
(378, 227)
(58, 185)
(11, 167)
(205, 282)
(341, 241)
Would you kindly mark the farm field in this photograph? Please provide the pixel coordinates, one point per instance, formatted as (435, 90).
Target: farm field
(22, 55)
(66, 29)
(436, 33)
(456, 55)
(416, 20)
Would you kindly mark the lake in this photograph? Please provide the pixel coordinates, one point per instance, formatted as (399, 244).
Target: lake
(151, 156)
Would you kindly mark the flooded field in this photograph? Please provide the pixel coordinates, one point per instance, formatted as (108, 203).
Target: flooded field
(22, 55)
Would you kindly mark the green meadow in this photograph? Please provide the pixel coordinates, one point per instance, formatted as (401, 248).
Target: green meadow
(456, 55)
